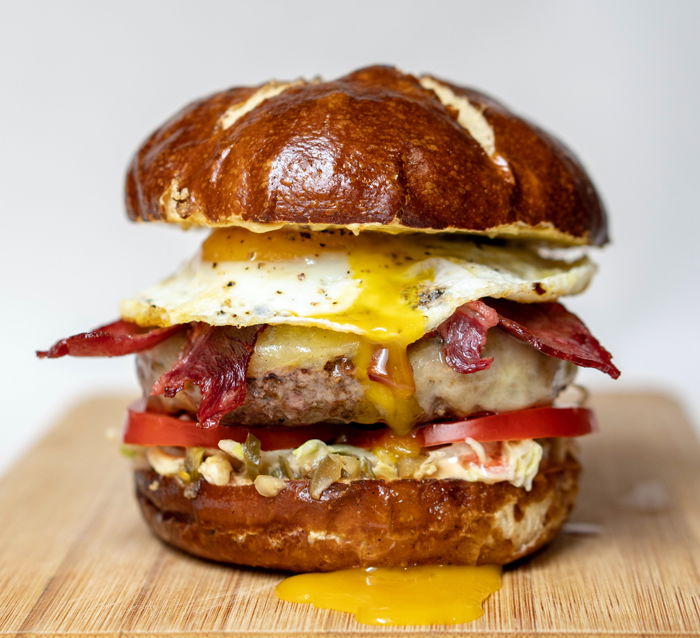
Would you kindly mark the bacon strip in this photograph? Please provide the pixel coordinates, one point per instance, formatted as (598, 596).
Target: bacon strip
(215, 359)
(464, 334)
(113, 340)
(549, 327)
(554, 331)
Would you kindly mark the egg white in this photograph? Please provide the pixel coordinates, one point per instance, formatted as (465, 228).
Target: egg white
(319, 289)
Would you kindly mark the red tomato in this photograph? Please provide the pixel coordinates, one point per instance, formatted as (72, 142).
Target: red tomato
(532, 423)
(153, 428)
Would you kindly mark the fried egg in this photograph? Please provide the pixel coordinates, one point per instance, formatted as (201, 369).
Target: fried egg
(389, 289)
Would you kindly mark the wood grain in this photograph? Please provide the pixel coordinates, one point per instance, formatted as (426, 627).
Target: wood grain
(76, 560)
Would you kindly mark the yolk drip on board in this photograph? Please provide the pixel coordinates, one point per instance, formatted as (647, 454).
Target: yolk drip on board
(384, 311)
(443, 594)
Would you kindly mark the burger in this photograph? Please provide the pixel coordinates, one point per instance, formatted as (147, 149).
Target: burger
(364, 363)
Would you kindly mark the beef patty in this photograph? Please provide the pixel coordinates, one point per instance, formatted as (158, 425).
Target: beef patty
(331, 391)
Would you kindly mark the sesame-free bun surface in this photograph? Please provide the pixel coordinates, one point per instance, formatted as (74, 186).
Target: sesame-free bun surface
(376, 149)
(363, 522)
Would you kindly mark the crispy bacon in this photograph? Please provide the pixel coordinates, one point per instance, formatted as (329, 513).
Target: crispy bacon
(215, 359)
(554, 331)
(113, 340)
(464, 334)
(549, 327)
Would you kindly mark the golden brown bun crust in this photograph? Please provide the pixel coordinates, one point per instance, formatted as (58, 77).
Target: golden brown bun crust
(362, 523)
(373, 149)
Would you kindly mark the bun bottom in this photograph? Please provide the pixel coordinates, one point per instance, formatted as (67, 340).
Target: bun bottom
(361, 523)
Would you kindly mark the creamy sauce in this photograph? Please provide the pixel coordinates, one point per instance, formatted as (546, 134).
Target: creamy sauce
(430, 595)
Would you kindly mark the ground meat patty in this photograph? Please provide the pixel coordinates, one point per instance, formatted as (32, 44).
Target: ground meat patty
(519, 376)
(292, 396)
(300, 396)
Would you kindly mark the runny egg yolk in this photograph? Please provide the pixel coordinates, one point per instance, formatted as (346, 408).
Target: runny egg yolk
(385, 310)
(430, 595)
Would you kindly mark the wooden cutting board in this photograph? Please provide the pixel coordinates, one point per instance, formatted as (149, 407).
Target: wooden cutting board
(77, 560)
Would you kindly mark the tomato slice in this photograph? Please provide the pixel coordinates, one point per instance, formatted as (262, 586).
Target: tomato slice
(153, 428)
(531, 423)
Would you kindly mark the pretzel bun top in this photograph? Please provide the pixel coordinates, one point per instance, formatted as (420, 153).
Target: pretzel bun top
(377, 149)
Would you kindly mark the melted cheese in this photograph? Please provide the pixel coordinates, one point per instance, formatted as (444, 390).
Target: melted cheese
(432, 595)
(280, 347)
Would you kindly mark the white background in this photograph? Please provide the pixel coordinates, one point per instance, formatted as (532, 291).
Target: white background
(84, 82)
